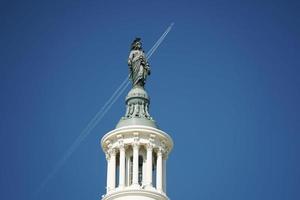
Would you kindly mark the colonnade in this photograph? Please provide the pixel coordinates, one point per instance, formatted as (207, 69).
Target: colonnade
(124, 161)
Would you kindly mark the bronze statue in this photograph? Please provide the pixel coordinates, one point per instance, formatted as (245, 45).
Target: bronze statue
(138, 65)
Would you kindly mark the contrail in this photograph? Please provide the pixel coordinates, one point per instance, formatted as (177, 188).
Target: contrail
(159, 41)
(97, 118)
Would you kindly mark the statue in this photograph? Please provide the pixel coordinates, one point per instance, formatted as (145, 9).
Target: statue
(138, 65)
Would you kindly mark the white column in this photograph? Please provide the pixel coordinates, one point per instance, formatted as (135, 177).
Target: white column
(108, 173)
(112, 170)
(165, 174)
(159, 171)
(149, 165)
(144, 172)
(135, 171)
(128, 181)
(122, 167)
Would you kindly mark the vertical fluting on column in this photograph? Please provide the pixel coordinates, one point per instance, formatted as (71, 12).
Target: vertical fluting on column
(135, 170)
(108, 172)
(122, 166)
(159, 170)
(149, 165)
(112, 170)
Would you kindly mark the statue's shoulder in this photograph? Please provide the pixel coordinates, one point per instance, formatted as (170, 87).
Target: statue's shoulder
(136, 52)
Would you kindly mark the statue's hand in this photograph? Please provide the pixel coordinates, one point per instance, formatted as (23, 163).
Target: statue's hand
(148, 70)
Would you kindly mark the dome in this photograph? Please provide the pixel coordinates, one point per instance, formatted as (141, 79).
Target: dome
(137, 109)
(137, 92)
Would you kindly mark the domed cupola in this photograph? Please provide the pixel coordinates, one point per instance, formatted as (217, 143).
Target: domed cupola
(137, 109)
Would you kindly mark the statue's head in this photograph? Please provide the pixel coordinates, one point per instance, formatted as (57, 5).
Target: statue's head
(136, 44)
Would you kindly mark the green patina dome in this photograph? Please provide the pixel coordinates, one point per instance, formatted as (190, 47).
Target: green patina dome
(137, 109)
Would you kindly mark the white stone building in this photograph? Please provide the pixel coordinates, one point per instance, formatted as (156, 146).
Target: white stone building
(136, 152)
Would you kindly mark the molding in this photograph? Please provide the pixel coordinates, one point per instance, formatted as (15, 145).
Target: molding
(141, 134)
(137, 193)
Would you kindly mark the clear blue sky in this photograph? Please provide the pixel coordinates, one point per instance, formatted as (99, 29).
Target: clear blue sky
(225, 85)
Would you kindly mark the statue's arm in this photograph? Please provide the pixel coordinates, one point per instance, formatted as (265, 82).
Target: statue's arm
(130, 58)
(147, 66)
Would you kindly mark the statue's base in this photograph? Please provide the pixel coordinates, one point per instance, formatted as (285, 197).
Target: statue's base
(137, 109)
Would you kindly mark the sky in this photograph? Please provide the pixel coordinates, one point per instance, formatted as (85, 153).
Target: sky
(224, 85)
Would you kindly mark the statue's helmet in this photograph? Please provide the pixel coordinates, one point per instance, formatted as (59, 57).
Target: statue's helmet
(136, 44)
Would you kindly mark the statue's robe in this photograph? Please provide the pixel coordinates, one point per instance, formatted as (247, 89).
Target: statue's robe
(138, 70)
